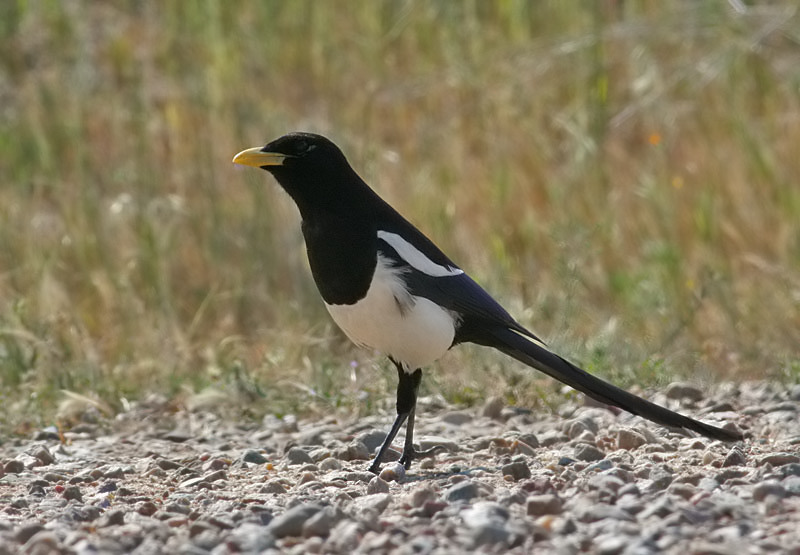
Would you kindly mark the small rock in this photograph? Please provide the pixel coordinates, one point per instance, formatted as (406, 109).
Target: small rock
(606, 482)
(216, 464)
(600, 466)
(296, 455)
(778, 459)
(660, 478)
(735, 457)
(611, 545)
(166, 464)
(191, 482)
(551, 438)
(393, 472)
(27, 531)
(708, 484)
(420, 495)
(457, 418)
(629, 439)
(770, 487)
(42, 454)
(177, 436)
(354, 451)
(345, 536)
(214, 476)
(517, 470)
(72, 492)
(529, 439)
(291, 522)
(254, 457)
(248, 538)
(577, 427)
(487, 523)
(588, 453)
(107, 487)
(792, 485)
(462, 491)
(493, 408)
(221, 521)
(594, 512)
(146, 508)
(14, 466)
(377, 485)
(112, 518)
(274, 487)
(544, 504)
(45, 541)
(319, 524)
(683, 390)
(374, 504)
(372, 439)
(330, 464)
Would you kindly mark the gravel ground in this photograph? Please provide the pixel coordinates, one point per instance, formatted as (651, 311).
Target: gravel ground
(511, 481)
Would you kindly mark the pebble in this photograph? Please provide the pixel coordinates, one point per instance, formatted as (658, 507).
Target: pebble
(375, 503)
(457, 418)
(393, 472)
(545, 504)
(735, 457)
(493, 407)
(354, 451)
(778, 459)
(320, 523)
(291, 522)
(372, 439)
(463, 491)
(684, 390)
(768, 488)
(588, 453)
(516, 470)
(377, 485)
(297, 455)
(27, 531)
(629, 439)
(329, 464)
(14, 467)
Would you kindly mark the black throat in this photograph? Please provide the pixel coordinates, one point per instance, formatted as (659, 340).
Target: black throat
(339, 227)
(342, 252)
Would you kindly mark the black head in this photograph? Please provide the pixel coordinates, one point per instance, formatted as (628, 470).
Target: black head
(311, 168)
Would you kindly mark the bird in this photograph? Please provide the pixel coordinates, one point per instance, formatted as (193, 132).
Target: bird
(391, 289)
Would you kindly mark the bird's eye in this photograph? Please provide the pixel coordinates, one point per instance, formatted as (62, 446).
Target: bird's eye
(301, 146)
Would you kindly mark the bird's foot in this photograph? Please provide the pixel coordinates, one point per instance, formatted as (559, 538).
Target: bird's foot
(412, 454)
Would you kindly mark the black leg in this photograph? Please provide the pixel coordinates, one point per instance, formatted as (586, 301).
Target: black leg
(407, 386)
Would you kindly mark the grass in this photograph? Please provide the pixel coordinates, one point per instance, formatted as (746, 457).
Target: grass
(622, 175)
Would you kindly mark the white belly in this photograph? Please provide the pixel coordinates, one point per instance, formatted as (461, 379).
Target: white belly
(412, 330)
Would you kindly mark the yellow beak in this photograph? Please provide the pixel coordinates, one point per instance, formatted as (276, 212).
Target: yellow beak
(255, 157)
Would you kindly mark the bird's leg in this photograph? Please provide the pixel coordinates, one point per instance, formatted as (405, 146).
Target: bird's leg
(407, 386)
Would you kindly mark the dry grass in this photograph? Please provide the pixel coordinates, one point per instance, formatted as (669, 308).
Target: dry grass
(622, 174)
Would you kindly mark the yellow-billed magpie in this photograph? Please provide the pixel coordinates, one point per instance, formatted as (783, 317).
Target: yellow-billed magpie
(389, 287)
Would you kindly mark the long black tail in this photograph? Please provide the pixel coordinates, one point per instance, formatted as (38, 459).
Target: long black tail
(528, 352)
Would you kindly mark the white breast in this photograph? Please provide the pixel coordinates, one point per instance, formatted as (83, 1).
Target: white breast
(412, 330)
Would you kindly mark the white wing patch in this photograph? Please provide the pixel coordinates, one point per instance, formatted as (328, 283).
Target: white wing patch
(415, 258)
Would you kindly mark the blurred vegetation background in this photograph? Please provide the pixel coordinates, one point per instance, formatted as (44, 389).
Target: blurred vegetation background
(622, 174)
